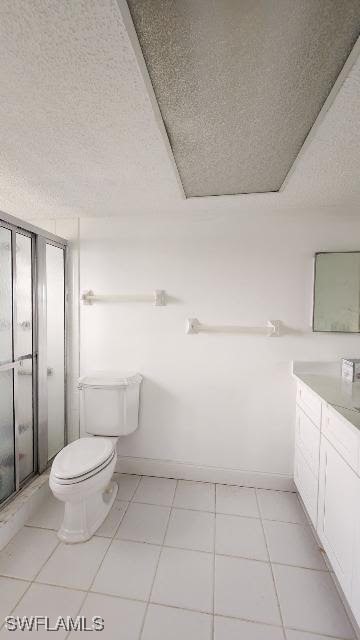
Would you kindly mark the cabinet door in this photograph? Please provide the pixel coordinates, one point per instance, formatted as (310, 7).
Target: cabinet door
(337, 517)
(306, 484)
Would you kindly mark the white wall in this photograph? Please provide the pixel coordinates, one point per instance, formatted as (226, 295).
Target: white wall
(218, 401)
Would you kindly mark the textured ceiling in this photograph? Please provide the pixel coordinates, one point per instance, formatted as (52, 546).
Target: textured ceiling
(79, 134)
(77, 129)
(240, 83)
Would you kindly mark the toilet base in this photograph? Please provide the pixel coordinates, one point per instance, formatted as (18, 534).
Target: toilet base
(83, 518)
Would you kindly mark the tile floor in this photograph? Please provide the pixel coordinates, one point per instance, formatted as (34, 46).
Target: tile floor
(179, 560)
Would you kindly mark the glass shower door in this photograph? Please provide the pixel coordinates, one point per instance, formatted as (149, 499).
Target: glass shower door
(24, 354)
(32, 352)
(55, 343)
(17, 451)
(52, 353)
(7, 435)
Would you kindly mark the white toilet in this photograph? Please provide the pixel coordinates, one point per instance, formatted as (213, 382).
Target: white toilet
(81, 473)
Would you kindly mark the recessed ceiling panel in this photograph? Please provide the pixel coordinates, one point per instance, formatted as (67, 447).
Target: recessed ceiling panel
(240, 82)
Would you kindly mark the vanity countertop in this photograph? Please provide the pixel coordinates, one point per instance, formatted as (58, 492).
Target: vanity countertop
(326, 381)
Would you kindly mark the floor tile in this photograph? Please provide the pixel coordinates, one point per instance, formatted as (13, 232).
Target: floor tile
(238, 536)
(195, 495)
(128, 570)
(165, 623)
(245, 589)
(127, 485)
(11, 591)
(184, 579)
(302, 635)
(112, 521)
(309, 602)
(25, 554)
(191, 530)
(53, 602)
(74, 565)
(293, 544)
(230, 629)
(155, 491)
(144, 523)
(49, 515)
(280, 505)
(122, 618)
(239, 501)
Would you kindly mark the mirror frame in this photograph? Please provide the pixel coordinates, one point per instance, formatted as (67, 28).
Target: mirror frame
(317, 253)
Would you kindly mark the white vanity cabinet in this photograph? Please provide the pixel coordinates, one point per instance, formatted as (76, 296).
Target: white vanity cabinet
(327, 476)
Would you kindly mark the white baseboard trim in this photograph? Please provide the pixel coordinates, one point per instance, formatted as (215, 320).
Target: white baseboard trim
(186, 471)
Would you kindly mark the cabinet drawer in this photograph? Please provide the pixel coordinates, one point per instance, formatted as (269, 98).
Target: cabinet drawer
(310, 403)
(307, 439)
(307, 484)
(342, 436)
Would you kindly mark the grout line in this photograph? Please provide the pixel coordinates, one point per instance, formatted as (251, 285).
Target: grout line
(2, 625)
(47, 559)
(172, 546)
(271, 568)
(107, 550)
(157, 564)
(30, 582)
(219, 513)
(323, 635)
(77, 612)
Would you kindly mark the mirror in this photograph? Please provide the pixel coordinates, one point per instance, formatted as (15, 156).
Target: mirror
(337, 292)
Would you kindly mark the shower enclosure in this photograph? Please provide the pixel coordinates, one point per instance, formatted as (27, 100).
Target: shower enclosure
(32, 352)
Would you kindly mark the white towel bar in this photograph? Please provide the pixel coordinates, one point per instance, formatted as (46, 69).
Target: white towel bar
(271, 330)
(158, 298)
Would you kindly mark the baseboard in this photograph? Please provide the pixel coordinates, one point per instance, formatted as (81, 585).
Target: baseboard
(186, 471)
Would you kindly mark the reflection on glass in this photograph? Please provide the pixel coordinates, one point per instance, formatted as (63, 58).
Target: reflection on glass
(7, 456)
(337, 292)
(23, 336)
(55, 292)
(25, 418)
(5, 296)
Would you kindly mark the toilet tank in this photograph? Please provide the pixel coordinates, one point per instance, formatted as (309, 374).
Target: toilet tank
(110, 403)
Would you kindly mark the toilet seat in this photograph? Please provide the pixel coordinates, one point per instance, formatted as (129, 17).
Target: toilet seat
(85, 476)
(82, 459)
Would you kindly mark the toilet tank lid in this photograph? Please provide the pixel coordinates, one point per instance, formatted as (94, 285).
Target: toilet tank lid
(106, 381)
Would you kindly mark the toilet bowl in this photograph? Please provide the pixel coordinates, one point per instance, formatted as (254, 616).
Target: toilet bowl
(81, 473)
(81, 478)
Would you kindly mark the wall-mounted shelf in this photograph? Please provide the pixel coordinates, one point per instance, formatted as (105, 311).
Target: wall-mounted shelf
(271, 330)
(157, 298)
